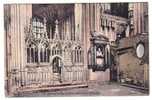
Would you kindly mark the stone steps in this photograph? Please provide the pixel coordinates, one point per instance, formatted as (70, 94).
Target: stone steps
(62, 86)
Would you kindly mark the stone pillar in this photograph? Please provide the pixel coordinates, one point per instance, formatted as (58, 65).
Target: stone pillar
(67, 36)
(72, 26)
(20, 15)
(142, 18)
(97, 17)
(78, 20)
(64, 28)
(138, 17)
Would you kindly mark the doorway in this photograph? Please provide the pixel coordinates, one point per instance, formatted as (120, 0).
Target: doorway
(57, 66)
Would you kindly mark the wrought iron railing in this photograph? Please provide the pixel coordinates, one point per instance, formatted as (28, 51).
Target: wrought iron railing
(39, 78)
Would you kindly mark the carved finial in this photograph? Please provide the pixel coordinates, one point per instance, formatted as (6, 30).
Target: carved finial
(56, 22)
(56, 30)
(44, 20)
(45, 30)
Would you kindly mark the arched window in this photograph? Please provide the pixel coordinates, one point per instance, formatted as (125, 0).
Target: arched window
(35, 55)
(75, 55)
(81, 55)
(31, 54)
(37, 38)
(57, 50)
(44, 54)
(28, 55)
(48, 55)
(78, 55)
(41, 55)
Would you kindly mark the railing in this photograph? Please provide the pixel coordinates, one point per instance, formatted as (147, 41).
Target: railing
(45, 77)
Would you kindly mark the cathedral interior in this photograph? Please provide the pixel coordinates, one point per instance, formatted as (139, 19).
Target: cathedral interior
(72, 44)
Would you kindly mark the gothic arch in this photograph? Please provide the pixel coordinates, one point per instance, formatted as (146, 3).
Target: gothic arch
(76, 46)
(55, 57)
(56, 49)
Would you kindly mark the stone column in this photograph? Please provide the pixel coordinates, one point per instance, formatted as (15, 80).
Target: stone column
(138, 16)
(142, 17)
(64, 28)
(78, 20)
(97, 17)
(20, 15)
(67, 36)
(72, 26)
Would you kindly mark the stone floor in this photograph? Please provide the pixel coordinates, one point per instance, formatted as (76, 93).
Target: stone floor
(94, 89)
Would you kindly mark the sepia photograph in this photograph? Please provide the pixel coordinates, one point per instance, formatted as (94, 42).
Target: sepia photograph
(76, 49)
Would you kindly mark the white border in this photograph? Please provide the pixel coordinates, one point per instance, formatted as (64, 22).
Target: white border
(69, 1)
(2, 95)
